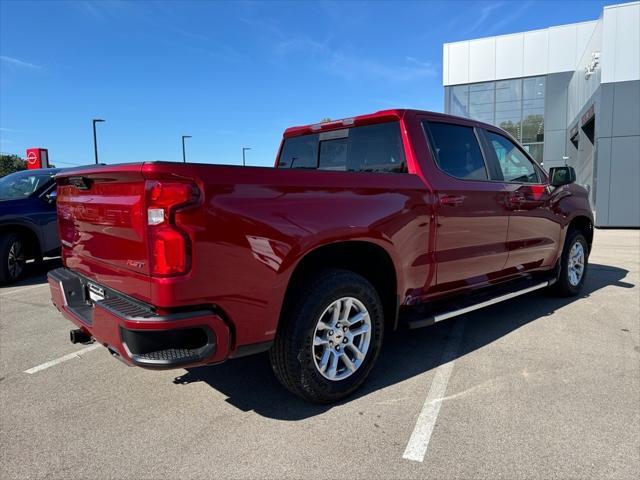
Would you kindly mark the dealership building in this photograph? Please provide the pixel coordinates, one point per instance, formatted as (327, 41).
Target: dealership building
(570, 94)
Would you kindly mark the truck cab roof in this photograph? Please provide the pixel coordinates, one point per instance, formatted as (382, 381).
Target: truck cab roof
(369, 118)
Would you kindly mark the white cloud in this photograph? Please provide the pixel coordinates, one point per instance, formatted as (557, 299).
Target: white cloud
(338, 61)
(511, 17)
(485, 13)
(494, 16)
(352, 67)
(17, 63)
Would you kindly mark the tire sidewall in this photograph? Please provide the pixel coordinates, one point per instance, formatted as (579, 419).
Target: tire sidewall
(5, 247)
(307, 316)
(564, 274)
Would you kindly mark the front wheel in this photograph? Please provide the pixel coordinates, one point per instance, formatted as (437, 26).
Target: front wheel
(330, 338)
(573, 265)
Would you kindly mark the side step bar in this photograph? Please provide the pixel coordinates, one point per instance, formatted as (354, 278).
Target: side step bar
(438, 317)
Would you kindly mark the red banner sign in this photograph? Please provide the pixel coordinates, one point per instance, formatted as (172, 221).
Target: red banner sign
(588, 115)
(37, 158)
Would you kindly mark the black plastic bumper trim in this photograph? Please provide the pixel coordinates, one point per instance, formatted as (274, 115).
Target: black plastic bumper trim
(74, 286)
(172, 356)
(252, 349)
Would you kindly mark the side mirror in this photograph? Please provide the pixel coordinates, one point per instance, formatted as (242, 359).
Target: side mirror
(561, 176)
(51, 197)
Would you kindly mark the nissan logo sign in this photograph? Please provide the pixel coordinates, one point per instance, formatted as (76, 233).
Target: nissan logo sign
(32, 158)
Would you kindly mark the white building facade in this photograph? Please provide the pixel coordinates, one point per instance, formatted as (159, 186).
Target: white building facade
(570, 94)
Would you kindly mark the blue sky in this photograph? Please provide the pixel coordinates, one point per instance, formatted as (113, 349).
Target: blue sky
(229, 74)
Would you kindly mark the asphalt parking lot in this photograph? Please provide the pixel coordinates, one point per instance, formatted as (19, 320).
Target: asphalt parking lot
(536, 387)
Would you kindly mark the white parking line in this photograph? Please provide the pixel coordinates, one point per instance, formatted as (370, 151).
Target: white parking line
(419, 441)
(23, 289)
(70, 356)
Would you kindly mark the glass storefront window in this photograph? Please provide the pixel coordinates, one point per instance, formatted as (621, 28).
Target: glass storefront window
(483, 113)
(508, 91)
(508, 115)
(459, 100)
(535, 150)
(481, 101)
(533, 109)
(532, 125)
(516, 105)
(509, 106)
(533, 88)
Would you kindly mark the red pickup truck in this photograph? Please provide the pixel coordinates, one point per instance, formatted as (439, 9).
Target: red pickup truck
(363, 224)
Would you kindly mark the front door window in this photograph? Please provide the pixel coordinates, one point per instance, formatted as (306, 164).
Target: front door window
(514, 164)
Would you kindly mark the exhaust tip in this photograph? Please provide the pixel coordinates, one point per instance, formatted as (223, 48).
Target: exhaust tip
(79, 336)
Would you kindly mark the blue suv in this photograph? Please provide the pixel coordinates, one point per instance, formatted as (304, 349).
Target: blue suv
(28, 225)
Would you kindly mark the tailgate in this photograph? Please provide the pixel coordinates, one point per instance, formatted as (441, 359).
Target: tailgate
(101, 221)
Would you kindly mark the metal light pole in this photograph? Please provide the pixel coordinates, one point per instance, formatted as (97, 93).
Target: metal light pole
(244, 149)
(95, 141)
(184, 157)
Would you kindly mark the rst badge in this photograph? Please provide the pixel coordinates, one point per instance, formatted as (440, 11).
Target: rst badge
(135, 263)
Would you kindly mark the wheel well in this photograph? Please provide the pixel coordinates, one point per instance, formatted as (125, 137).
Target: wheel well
(32, 243)
(363, 258)
(584, 226)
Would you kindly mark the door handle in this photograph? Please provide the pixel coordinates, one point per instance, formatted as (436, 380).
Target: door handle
(451, 200)
(529, 196)
(519, 201)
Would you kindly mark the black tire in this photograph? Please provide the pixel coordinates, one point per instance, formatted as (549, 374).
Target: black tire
(564, 287)
(10, 245)
(292, 355)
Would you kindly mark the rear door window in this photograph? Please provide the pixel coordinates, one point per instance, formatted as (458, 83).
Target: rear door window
(370, 148)
(456, 150)
(377, 148)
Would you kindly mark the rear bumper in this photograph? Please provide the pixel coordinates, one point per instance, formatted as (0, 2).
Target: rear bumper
(132, 331)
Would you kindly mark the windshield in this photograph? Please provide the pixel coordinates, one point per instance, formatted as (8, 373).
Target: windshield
(22, 184)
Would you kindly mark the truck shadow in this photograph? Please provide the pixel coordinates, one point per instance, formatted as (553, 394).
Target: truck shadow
(250, 384)
(36, 273)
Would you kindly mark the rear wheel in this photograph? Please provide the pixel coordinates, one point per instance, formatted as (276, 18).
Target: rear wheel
(330, 338)
(12, 257)
(573, 265)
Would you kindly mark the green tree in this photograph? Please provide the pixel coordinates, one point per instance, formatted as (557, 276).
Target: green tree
(533, 128)
(10, 164)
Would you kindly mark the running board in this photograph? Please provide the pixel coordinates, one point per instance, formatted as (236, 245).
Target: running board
(444, 315)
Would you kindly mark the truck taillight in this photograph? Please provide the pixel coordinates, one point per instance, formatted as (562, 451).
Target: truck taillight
(170, 246)
(169, 252)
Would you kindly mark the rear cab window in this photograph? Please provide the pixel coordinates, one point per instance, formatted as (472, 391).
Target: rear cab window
(373, 148)
(299, 152)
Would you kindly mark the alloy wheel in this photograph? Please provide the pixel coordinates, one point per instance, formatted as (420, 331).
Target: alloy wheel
(576, 264)
(16, 259)
(341, 338)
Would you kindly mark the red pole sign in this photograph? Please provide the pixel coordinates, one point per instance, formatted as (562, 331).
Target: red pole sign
(37, 158)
